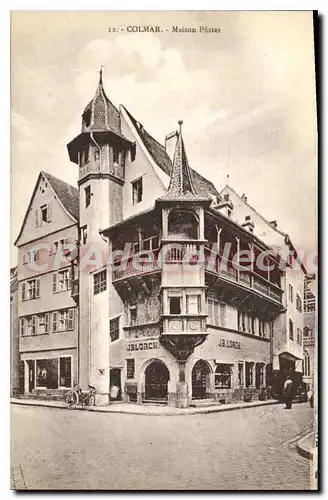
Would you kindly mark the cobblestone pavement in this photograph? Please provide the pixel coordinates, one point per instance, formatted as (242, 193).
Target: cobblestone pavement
(252, 448)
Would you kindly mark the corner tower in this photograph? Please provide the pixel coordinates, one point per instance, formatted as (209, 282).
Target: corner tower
(99, 151)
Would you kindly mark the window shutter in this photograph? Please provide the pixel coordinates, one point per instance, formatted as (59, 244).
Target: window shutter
(54, 283)
(54, 321)
(37, 288)
(34, 325)
(46, 323)
(23, 291)
(70, 323)
(22, 326)
(25, 258)
(37, 217)
(37, 255)
(222, 314)
(49, 212)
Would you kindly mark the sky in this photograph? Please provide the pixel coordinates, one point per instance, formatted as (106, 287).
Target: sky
(246, 95)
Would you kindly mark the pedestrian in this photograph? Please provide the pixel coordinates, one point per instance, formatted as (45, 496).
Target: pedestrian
(288, 393)
(114, 390)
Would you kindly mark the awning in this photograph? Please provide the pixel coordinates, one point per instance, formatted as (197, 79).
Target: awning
(289, 356)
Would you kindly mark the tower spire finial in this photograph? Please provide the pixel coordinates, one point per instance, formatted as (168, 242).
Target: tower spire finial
(180, 122)
(228, 179)
(101, 74)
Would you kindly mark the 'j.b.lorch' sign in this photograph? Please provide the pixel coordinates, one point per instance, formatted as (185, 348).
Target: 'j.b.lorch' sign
(234, 344)
(143, 346)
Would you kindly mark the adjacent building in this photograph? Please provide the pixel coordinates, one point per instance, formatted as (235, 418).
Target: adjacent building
(310, 330)
(148, 279)
(287, 339)
(47, 311)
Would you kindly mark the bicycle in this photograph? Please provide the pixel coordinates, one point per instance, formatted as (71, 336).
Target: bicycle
(78, 397)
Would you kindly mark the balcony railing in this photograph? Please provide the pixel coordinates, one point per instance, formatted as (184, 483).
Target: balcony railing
(136, 265)
(227, 270)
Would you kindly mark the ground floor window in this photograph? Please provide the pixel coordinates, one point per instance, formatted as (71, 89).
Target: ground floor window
(259, 375)
(241, 374)
(223, 377)
(65, 372)
(47, 373)
(130, 368)
(54, 373)
(249, 373)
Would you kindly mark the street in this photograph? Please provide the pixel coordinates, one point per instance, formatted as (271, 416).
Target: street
(251, 448)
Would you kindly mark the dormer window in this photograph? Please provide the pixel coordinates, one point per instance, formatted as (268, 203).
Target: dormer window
(87, 118)
(226, 197)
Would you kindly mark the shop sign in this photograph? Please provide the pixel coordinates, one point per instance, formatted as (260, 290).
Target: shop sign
(143, 346)
(234, 344)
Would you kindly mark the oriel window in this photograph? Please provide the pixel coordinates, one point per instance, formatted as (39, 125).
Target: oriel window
(175, 305)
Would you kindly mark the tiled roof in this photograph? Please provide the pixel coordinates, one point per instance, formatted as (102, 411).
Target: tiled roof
(103, 113)
(68, 195)
(181, 186)
(203, 187)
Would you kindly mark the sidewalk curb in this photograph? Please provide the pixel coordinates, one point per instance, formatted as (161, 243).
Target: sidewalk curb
(303, 447)
(127, 411)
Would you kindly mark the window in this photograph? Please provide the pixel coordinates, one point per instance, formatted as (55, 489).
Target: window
(298, 303)
(253, 325)
(299, 336)
(307, 332)
(216, 313)
(99, 282)
(137, 191)
(259, 375)
(223, 377)
(47, 373)
(84, 234)
(175, 305)
(241, 374)
(291, 330)
(87, 196)
(59, 246)
(249, 373)
(116, 156)
(241, 319)
(133, 316)
(306, 365)
(61, 281)
(31, 256)
(229, 212)
(65, 372)
(43, 324)
(114, 328)
(30, 289)
(44, 213)
(290, 292)
(63, 320)
(261, 328)
(193, 304)
(22, 327)
(130, 368)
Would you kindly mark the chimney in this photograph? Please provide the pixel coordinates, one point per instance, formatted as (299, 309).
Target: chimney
(244, 197)
(170, 143)
(274, 224)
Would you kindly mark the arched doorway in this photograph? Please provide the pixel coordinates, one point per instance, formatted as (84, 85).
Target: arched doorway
(200, 379)
(156, 381)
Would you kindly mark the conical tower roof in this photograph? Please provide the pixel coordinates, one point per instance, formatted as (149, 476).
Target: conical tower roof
(100, 114)
(181, 187)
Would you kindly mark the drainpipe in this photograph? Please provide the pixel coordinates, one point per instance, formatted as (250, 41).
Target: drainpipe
(97, 145)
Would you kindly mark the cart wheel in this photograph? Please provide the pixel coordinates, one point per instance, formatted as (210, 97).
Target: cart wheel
(72, 400)
(90, 401)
